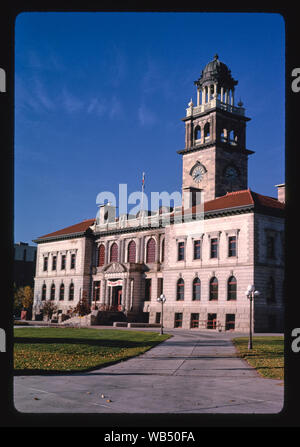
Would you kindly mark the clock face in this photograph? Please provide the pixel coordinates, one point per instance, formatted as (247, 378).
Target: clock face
(231, 173)
(198, 174)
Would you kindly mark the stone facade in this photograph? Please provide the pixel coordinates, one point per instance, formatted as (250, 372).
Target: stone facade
(202, 262)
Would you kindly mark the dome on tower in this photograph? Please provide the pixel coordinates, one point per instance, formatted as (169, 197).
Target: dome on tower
(215, 66)
(216, 71)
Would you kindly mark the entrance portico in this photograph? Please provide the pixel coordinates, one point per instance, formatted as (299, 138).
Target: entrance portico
(120, 286)
(115, 293)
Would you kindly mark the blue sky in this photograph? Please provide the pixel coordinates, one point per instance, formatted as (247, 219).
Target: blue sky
(99, 99)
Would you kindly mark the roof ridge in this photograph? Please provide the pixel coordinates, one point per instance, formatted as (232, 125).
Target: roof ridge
(237, 192)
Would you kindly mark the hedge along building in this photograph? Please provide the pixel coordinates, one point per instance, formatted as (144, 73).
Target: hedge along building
(201, 255)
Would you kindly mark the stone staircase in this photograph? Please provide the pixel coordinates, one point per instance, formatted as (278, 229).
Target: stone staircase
(96, 317)
(78, 321)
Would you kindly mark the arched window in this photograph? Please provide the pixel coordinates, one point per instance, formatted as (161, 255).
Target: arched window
(231, 288)
(236, 137)
(213, 289)
(270, 291)
(198, 133)
(52, 292)
(61, 292)
(71, 292)
(230, 136)
(180, 290)
(101, 255)
(223, 135)
(196, 289)
(150, 255)
(131, 251)
(44, 290)
(206, 132)
(163, 250)
(114, 253)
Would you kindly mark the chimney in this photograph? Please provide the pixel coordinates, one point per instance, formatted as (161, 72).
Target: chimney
(107, 213)
(281, 192)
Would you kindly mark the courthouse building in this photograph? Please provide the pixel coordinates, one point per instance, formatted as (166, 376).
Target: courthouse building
(202, 255)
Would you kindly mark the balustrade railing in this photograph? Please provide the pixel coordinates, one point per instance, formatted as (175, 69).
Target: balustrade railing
(214, 103)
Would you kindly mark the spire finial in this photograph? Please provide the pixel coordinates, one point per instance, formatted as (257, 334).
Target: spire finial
(216, 56)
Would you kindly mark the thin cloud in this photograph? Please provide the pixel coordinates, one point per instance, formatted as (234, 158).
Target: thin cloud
(70, 102)
(115, 108)
(95, 106)
(43, 96)
(146, 116)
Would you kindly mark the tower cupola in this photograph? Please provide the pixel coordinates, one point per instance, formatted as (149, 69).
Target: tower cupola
(215, 157)
(215, 87)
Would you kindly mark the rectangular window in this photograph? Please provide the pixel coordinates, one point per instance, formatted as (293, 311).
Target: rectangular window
(54, 262)
(197, 249)
(63, 262)
(96, 291)
(72, 261)
(160, 286)
(271, 247)
(181, 251)
(232, 246)
(45, 267)
(178, 320)
(211, 321)
(214, 248)
(147, 289)
(194, 320)
(230, 322)
(157, 318)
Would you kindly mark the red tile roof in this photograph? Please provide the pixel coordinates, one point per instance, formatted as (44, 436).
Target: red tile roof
(77, 228)
(239, 199)
(231, 200)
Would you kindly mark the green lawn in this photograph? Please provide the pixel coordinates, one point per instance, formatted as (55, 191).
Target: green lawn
(267, 355)
(59, 350)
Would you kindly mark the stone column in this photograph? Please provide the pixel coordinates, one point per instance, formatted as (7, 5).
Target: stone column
(128, 294)
(203, 95)
(232, 97)
(198, 96)
(121, 256)
(124, 294)
(142, 250)
(215, 90)
(138, 247)
(157, 238)
(108, 294)
(103, 288)
(106, 255)
(226, 96)
(222, 94)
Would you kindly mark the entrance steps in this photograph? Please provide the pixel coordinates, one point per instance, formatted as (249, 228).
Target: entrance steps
(126, 324)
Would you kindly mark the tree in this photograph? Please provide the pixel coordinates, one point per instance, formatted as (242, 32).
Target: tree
(49, 308)
(17, 300)
(23, 297)
(83, 307)
(27, 299)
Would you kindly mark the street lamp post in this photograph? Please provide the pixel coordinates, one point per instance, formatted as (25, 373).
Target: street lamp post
(251, 293)
(161, 299)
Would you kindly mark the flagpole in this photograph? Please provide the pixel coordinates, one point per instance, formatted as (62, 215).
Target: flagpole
(142, 200)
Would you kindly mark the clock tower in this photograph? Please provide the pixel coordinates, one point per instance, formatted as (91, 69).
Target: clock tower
(215, 158)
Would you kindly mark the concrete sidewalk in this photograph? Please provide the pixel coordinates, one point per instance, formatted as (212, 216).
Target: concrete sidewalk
(192, 372)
